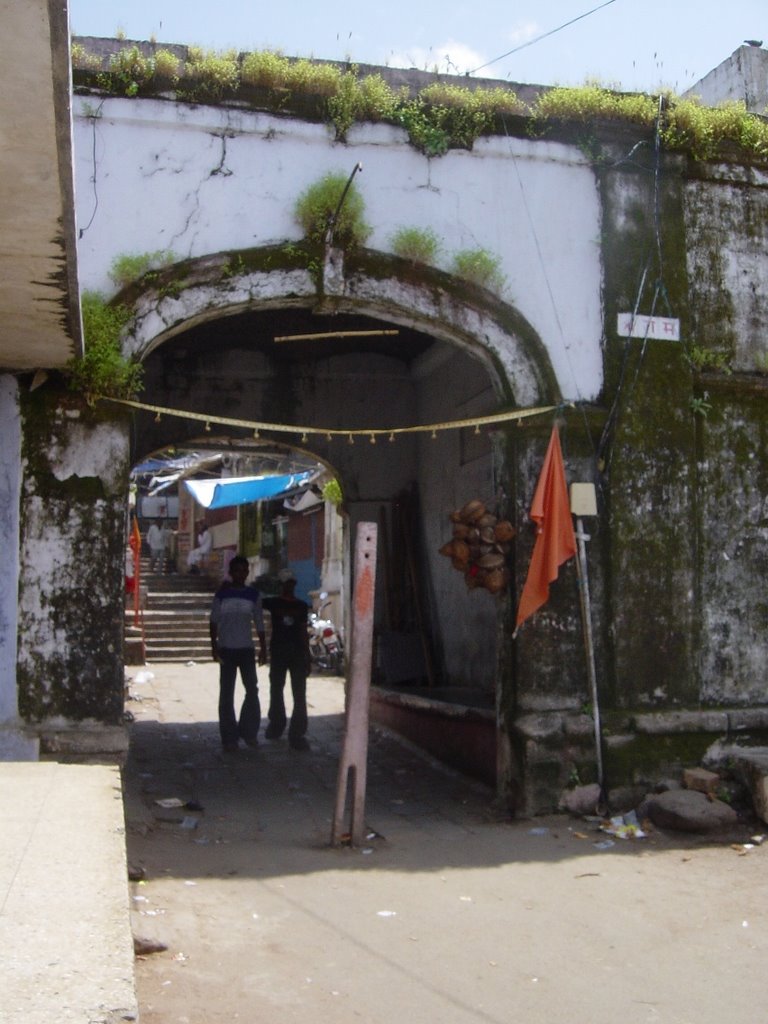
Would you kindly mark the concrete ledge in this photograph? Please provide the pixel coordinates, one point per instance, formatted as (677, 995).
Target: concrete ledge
(460, 736)
(84, 739)
(64, 912)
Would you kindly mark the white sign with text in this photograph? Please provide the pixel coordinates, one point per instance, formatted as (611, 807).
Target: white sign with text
(666, 328)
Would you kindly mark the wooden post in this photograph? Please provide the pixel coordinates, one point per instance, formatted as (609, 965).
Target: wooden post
(354, 754)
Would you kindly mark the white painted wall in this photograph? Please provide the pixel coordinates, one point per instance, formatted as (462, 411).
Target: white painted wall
(154, 175)
(743, 76)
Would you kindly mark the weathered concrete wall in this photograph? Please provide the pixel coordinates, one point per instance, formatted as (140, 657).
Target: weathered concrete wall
(69, 672)
(742, 77)
(10, 488)
(726, 223)
(679, 628)
(204, 180)
(15, 743)
(454, 467)
(732, 540)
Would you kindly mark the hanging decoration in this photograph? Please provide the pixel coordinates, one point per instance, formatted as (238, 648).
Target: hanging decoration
(479, 547)
(308, 431)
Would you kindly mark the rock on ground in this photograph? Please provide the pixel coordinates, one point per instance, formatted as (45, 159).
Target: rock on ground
(687, 810)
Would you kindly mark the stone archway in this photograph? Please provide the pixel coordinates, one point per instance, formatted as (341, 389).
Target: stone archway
(450, 332)
(368, 282)
(209, 325)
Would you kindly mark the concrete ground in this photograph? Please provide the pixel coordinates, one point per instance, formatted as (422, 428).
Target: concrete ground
(447, 914)
(65, 940)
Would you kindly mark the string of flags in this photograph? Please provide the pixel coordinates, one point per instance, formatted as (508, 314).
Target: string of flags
(305, 432)
(550, 509)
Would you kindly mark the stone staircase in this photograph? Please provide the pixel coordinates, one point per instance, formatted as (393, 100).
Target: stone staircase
(175, 616)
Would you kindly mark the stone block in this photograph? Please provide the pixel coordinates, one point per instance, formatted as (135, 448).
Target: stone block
(670, 722)
(581, 800)
(539, 727)
(686, 810)
(701, 780)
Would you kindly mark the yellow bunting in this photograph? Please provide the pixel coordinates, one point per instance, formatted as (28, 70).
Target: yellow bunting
(432, 428)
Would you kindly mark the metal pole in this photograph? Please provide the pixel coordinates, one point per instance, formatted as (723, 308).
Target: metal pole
(354, 755)
(586, 617)
(333, 220)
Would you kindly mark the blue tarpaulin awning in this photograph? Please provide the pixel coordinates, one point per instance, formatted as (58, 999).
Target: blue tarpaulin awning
(244, 489)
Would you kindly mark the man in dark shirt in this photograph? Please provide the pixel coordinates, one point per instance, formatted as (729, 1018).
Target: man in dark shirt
(288, 652)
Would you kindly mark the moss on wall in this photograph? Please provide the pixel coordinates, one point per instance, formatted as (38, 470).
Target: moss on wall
(72, 560)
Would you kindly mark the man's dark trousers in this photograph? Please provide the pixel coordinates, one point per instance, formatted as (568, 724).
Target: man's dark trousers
(230, 660)
(281, 662)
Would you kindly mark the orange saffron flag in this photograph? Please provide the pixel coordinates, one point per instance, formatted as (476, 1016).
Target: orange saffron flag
(555, 539)
(134, 540)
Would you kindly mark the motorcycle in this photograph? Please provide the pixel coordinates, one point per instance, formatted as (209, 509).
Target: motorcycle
(325, 647)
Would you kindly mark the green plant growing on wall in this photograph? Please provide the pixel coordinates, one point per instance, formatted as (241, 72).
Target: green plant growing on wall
(83, 60)
(424, 132)
(342, 106)
(209, 76)
(103, 371)
(594, 102)
(167, 66)
(700, 406)
(311, 78)
(704, 131)
(267, 69)
(441, 115)
(128, 268)
(317, 205)
(700, 358)
(445, 115)
(128, 71)
(376, 101)
(359, 99)
(332, 492)
(478, 266)
(419, 245)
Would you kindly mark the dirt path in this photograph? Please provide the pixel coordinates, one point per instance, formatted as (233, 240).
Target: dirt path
(448, 915)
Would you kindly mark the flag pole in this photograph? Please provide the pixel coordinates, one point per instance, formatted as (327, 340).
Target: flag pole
(586, 618)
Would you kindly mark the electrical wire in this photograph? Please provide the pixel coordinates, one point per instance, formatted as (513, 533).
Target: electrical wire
(580, 404)
(660, 290)
(93, 117)
(538, 39)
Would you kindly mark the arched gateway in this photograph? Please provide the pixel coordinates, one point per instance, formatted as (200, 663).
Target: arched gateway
(373, 342)
(393, 346)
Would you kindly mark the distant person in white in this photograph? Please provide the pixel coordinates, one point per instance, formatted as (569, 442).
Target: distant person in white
(196, 555)
(157, 538)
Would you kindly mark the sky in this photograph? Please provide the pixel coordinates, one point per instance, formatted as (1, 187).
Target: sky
(632, 44)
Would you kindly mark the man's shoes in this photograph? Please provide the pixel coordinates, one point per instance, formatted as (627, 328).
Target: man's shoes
(273, 732)
(251, 743)
(298, 743)
(230, 748)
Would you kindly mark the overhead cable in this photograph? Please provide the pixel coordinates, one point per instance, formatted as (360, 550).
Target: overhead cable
(538, 39)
